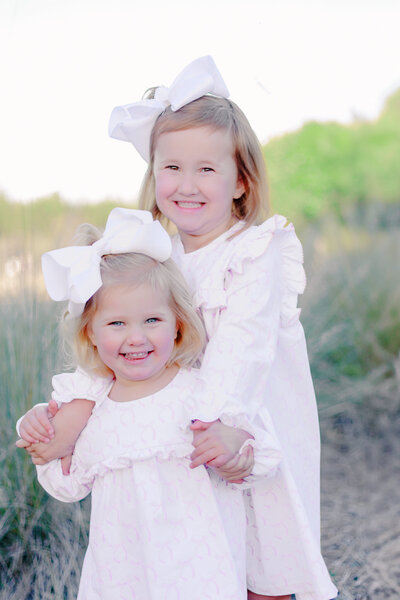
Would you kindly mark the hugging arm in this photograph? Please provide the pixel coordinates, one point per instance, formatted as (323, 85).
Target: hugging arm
(242, 344)
(57, 430)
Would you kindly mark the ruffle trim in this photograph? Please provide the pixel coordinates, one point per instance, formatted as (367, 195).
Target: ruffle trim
(249, 247)
(69, 386)
(125, 461)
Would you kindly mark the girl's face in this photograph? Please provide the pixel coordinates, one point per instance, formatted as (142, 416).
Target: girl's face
(196, 181)
(134, 330)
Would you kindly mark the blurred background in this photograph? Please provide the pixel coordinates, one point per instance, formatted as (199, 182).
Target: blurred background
(320, 84)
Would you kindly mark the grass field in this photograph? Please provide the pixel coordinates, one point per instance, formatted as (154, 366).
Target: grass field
(351, 314)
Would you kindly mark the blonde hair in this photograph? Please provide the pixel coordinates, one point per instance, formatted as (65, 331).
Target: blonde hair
(219, 114)
(132, 269)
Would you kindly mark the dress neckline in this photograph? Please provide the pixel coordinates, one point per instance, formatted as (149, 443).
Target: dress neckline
(145, 398)
(210, 246)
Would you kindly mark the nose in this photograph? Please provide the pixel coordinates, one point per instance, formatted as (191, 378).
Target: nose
(135, 336)
(187, 184)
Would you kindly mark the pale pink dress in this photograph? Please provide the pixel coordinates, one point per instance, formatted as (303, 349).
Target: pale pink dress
(246, 289)
(159, 530)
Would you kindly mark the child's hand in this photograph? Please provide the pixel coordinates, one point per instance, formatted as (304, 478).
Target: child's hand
(67, 423)
(238, 468)
(42, 453)
(38, 455)
(216, 445)
(36, 426)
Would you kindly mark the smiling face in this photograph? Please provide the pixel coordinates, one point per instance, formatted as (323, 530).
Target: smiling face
(196, 180)
(134, 331)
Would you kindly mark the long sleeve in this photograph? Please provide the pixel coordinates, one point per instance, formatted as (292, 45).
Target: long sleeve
(67, 488)
(244, 334)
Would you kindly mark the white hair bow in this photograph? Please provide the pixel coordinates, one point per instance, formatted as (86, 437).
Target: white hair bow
(73, 273)
(134, 122)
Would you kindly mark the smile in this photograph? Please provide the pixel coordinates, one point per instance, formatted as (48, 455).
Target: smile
(136, 355)
(185, 204)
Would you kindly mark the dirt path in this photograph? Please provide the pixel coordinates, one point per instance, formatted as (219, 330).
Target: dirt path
(361, 507)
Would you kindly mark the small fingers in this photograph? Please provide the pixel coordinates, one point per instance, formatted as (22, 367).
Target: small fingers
(202, 459)
(44, 422)
(32, 429)
(38, 461)
(220, 461)
(238, 468)
(66, 464)
(28, 435)
(22, 443)
(200, 437)
(52, 408)
(201, 425)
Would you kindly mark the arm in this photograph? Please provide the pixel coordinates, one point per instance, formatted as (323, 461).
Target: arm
(242, 347)
(243, 341)
(63, 429)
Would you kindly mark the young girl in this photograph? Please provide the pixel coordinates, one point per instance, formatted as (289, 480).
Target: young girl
(206, 175)
(159, 530)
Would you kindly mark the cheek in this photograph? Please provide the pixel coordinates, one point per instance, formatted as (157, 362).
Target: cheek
(166, 342)
(165, 185)
(106, 344)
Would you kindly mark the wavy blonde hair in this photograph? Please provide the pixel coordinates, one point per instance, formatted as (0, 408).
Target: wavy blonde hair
(219, 114)
(133, 269)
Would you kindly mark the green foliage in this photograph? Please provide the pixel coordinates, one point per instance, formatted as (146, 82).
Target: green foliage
(352, 308)
(41, 540)
(326, 166)
(50, 214)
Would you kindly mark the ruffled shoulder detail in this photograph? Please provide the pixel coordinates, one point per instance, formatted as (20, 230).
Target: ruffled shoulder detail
(293, 274)
(255, 241)
(249, 246)
(68, 386)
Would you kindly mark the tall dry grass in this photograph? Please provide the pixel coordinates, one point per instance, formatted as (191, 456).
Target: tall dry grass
(351, 314)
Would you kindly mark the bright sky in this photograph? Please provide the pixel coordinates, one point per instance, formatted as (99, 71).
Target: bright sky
(64, 64)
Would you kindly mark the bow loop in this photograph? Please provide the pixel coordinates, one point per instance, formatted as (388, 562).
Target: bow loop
(73, 273)
(162, 95)
(134, 122)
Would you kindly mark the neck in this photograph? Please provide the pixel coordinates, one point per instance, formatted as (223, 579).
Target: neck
(125, 390)
(192, 242)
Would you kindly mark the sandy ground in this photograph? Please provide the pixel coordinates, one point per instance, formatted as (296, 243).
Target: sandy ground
(361, 505)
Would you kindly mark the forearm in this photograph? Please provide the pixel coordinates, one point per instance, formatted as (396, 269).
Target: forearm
(71, 419)
(68, 423)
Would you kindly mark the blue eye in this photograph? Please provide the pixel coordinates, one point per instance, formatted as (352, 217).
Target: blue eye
(152, 320)
(117, 323)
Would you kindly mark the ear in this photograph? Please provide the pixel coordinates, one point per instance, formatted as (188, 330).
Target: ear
(90, 335)
(240, 188)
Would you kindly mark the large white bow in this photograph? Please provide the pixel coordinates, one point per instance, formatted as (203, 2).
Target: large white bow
(134, 122)
(73, 273)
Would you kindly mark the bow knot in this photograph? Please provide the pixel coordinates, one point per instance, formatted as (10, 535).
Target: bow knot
(134, 122)
(73, 273)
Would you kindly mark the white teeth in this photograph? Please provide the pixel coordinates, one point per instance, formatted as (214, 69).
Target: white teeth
(135, 354)
(189, 204)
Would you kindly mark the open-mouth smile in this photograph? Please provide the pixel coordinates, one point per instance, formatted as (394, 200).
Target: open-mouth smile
(188, 204)
(135, 356)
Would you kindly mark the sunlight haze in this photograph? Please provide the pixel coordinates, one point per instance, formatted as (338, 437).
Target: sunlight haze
(65, 65)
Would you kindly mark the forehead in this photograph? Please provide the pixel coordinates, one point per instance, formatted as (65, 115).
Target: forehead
(132, 297)
(196, 141)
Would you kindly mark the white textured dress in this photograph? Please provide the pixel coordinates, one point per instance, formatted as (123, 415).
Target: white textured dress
(159, 530)
(246, 289)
